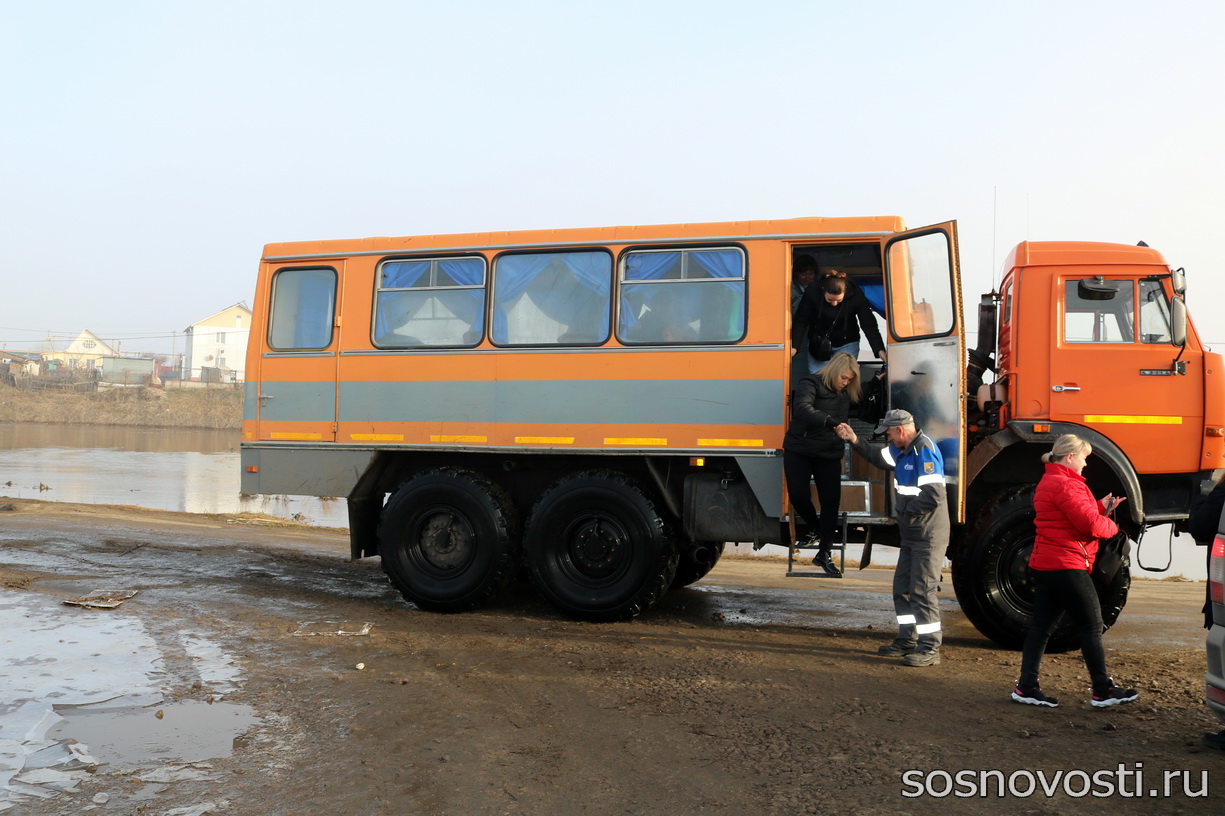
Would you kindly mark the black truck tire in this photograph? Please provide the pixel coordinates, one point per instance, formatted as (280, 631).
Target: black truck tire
(597, 547)
(992, 578)
(446, 539)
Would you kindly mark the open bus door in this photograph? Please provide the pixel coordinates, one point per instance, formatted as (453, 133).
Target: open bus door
(927, 353)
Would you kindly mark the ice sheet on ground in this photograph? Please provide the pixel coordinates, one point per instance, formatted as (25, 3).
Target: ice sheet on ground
(56, 659)
(332, 628)
(198, 810)
(102, 598)
(216, 668)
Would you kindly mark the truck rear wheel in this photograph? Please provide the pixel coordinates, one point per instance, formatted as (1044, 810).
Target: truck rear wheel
(446, 539)
(697, 558)
(597, 548)
(992, 577)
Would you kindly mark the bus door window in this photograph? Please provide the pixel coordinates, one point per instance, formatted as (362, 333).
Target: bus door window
(303, 306)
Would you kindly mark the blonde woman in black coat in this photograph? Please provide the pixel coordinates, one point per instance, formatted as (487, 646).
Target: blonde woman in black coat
(812, 452)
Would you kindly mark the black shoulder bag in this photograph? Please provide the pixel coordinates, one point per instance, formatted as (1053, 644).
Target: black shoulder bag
(1112, 554)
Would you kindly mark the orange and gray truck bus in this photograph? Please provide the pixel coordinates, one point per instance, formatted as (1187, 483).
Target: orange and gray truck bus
(604, 408)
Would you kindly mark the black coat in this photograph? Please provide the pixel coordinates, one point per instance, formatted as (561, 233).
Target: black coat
(1206, 514)
(818, 318)
(809, 433)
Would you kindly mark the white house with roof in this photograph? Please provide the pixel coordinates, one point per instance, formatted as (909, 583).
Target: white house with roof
(86, 351)
(217, 346)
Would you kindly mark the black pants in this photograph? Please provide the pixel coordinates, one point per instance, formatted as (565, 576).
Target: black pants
(1065, 591)
(827, 474)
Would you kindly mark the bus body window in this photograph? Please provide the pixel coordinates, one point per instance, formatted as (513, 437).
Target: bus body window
(682, 296)
(303, 309)
(552, 298)
(430, 303)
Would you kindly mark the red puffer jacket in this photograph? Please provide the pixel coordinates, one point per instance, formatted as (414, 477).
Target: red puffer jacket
(1069, 521)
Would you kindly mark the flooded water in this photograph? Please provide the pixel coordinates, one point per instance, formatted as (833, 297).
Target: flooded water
(186, 470)
(81, 689)
(197, 471)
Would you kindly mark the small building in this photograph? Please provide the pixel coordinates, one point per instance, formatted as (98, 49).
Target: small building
(219, 342)
(85, 352)
(14, 364)
(126, 371)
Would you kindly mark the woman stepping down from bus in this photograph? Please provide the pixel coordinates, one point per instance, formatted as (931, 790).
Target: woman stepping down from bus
(813, 452)
(1068, 523)
(828, 312)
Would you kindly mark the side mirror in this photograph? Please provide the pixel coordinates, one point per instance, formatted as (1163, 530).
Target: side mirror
(1178, 279)
(1096, 289)
(1178, 321)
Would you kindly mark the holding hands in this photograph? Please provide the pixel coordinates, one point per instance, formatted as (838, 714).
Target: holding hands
(846, 433)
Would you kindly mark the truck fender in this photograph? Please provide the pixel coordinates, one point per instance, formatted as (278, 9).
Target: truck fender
(1103, 448)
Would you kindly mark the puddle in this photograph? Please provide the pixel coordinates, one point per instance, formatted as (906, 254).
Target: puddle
(189, 731)
(84, 689)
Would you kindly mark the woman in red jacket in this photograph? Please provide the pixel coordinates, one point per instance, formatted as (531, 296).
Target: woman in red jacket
(1068, 523)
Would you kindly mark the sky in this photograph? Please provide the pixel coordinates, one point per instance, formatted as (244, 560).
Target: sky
(149, 149)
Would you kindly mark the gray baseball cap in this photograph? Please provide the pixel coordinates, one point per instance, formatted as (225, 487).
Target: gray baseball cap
(895, 418)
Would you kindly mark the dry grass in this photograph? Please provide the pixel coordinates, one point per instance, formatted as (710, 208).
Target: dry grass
(218, 408)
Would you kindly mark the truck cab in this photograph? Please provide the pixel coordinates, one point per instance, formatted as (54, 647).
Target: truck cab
(1092, 339)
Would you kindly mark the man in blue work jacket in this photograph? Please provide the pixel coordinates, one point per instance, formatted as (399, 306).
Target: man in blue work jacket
(921, 508)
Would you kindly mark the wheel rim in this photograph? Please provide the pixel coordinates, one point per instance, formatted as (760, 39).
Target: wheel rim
(1016, 584)
(445, 541)
(596, 549)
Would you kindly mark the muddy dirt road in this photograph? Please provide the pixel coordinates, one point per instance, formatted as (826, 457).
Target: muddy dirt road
(748, 693)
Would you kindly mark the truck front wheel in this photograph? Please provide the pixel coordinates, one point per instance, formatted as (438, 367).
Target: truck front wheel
(992, 578)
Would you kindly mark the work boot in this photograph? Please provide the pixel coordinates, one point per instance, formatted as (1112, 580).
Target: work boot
(897, 648)
(925, 657)
(825, 561)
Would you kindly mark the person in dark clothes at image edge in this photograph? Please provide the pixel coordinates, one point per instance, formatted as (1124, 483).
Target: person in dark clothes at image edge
(1202, 524)
(813, 452)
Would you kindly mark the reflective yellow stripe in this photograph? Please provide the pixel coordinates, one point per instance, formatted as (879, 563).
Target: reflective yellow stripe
(544, 440)
(634, 441)
(1128, 419)
(300, 436)
(377, 437)
(444, 438)
(731, 443)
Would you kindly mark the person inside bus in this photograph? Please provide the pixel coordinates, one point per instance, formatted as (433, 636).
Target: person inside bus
(664, 320)
(803, 273)
(827, 315)
(812, 451)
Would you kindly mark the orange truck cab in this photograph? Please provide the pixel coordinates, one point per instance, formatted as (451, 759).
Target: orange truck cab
(1092, 339)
